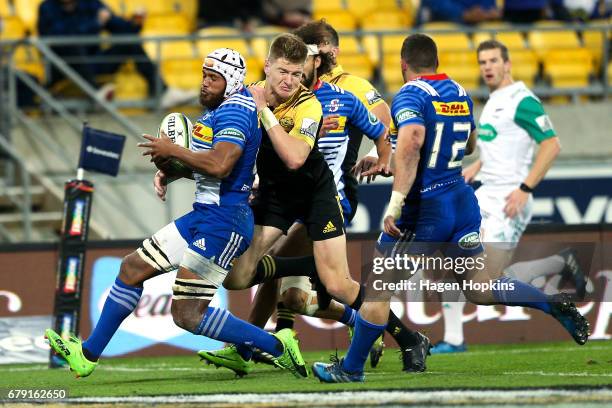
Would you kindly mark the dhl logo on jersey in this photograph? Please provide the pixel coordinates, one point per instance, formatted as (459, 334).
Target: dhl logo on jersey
(341, 125)
(202, 133)
(451, 108)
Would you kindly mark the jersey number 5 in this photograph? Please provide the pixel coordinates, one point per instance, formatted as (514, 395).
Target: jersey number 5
(458, 127)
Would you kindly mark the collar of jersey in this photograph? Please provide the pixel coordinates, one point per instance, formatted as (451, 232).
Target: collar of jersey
(317, 84)
(434, 77)
(337, 70)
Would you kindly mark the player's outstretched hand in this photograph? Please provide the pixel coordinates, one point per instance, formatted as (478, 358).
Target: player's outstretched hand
(369, 167)
(515, 202)
(160, 183)
(329, 123)
(157, 147)
(390, 227)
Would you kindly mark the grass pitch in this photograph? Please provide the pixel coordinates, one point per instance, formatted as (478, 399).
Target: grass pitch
(541, 365)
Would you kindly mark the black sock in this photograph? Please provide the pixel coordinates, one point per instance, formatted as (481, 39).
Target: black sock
(356, 305)
(285, 318)
(88, 355)
(274, 267)
(404, 337)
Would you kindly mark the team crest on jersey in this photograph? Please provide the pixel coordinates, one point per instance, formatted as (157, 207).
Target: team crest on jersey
(372, 96)
(486, 132)
(469, 241)
(286, 123)
(451, 108)
(334, 105)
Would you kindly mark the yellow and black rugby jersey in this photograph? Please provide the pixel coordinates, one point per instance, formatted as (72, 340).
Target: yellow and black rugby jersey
(300, 116)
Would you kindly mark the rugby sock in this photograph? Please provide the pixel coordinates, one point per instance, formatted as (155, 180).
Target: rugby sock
(220, 324)
(274, 267)
(285, 318)
(529, 270)
(365, 335)
(452, 312)
(245, 352)
(121, 301)
(404, 337)
(523, 295)
(348, 317)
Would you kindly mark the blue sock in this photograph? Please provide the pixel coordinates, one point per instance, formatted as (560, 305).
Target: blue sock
(348, 317)
(523, 295)
(121, 301)
(365, 335)
(220, 324)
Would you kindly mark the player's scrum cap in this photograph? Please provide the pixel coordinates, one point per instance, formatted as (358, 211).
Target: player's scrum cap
(313, 49)
(229, 64)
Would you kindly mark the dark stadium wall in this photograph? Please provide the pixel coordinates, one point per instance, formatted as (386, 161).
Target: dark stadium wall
(27, 285)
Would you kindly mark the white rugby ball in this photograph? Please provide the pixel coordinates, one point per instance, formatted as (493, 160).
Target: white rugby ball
(178, 128)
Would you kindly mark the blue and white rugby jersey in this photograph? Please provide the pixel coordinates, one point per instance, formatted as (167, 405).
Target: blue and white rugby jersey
(352, 112)
(234, 121)
(444, 108)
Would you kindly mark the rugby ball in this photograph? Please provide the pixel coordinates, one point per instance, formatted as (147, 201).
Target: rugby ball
(178, 128)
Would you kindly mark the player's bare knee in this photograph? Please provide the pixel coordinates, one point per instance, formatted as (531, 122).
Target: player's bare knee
(133, 270)
(295, 299)
(184, 316)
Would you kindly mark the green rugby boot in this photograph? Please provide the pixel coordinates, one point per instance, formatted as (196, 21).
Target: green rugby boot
(291, 359)
(227, 357)
(71, 350)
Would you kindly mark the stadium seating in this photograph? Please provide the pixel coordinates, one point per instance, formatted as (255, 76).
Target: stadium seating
(28, 59)
(349, 44)
(260, 46)
(448, 41)
(130, 86)
(568, 68)
(206, 45)
(357, 64)
(385, 20)
(323, 6)
(593, 40)
(544, 41)
(163, 50)
(27, 10)
(524, 66)
(341, 20)
(462, 66)
(12, 28)
(165, 24)
(6, 9)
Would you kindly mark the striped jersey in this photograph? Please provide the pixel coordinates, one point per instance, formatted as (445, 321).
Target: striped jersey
(351, 112)
(234, 121)
(444, 108)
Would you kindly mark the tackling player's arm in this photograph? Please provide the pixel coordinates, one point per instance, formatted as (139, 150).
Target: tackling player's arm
(530, 115)
(294, 147)
(407, 155)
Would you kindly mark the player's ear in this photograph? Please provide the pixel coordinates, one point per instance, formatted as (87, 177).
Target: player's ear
(267, 66)
(317, 61)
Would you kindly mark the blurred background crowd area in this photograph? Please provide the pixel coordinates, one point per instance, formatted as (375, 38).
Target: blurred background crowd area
(555, 45)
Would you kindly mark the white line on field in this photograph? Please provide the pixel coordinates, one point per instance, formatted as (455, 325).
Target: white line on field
(544, 373)
(352, 398)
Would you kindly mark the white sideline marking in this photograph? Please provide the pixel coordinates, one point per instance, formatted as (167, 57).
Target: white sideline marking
(545, 374)
(370, 397)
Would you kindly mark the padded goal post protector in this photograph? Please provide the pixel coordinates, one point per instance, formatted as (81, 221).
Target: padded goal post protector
(78, 196)
(101, 151)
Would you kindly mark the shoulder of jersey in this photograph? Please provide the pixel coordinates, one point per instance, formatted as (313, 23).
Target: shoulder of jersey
(240, 101)
(333, 87)
(425, 88)
(304, 95)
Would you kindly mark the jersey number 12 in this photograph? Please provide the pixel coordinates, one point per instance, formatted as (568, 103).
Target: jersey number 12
(458, 127)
